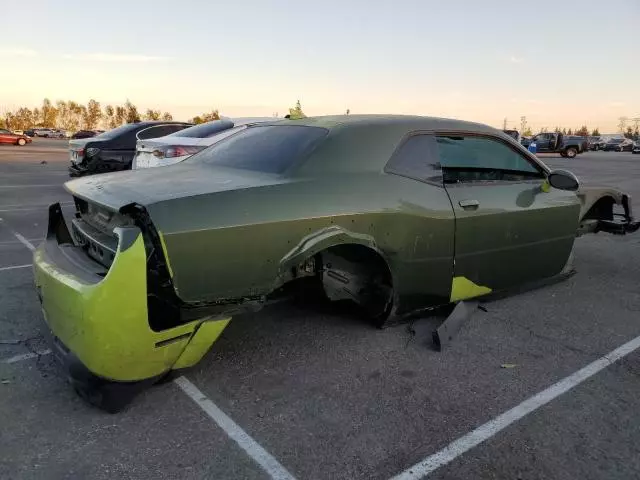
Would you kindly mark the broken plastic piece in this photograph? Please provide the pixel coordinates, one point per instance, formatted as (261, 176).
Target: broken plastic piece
(452, 324)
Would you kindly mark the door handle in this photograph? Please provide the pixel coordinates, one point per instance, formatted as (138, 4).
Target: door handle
(469, 203)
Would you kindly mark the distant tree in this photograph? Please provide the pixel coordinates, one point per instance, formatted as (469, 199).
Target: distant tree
(569, 132)
(348, 111)
(49, 114)
(557, 130)
(583, 131)
(120, 115)
(37, 117)
(110, 117)
(167, 117)
(636, 134)
(564, 131)
(544, 130)
(296, 112)
(596, 132)
(206, 117)
(92, 115)
(152, 114)
(131, 114)
(629, 133)
(69, 115)
(527, 132)
(22, 119)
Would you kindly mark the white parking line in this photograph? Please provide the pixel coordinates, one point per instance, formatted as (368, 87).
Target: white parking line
(14, 267)
(489, 429)
(32, 186)
(26, 356)
(269, 464)
(20, 238)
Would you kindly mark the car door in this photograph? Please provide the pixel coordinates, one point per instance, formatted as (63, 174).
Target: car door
(511, 226)
(6, 136)
(542, 142)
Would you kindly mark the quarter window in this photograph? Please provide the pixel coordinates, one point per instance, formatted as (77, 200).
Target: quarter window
(417, 158)
(474, 158)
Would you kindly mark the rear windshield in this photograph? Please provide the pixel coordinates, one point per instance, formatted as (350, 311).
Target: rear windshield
(269, 149)
(204, 130)
(108, 135)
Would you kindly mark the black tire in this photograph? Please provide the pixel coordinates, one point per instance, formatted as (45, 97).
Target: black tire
(563, 154)
(571, 152)
(21, 142)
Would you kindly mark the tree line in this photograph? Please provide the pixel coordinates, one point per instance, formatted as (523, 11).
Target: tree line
(73, 116)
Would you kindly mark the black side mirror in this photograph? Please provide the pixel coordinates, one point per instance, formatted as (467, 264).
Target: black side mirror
(563, 180)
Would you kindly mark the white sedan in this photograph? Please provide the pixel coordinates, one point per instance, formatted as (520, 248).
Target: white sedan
(176, 147)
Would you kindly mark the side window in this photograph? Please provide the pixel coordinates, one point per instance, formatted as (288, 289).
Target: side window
(416, 158)
(2, 130)
(474, 158)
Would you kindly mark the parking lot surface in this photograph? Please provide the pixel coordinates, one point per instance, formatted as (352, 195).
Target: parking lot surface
(327, 395)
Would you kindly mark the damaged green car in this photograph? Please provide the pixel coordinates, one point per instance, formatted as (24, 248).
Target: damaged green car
(395, 213)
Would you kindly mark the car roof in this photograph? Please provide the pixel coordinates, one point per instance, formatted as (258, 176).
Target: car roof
(410, 122)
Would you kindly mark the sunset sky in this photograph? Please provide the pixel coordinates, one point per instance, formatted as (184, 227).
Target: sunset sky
(559, 63)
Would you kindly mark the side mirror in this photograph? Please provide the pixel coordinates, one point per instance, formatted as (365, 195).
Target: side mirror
(563, 180)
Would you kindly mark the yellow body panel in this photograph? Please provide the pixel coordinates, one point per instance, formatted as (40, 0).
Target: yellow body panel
(462, 289)
(105, 324)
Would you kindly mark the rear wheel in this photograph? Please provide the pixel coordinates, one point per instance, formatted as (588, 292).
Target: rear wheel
(22, 142)
(563, 154)
(571, 152)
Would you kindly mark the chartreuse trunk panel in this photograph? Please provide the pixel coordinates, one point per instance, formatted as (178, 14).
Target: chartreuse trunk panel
(105, 324)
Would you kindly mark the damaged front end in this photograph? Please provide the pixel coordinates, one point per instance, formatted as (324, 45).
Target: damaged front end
(606, 210)
(97, 290)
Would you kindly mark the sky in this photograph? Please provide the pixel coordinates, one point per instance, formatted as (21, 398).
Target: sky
(561, 62)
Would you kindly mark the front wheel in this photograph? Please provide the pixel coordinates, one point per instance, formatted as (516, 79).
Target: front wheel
(21, 142)
(563, 154)
(571, 152)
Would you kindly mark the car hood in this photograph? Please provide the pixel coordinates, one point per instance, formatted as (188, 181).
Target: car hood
(154, 185)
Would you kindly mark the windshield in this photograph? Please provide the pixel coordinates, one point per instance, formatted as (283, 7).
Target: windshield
(108, 135)
(204, 130)
(269, 149)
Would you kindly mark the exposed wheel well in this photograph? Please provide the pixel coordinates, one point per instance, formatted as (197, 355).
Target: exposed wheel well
(360, 274)
(601, 210)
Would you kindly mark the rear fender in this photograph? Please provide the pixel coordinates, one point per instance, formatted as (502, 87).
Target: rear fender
(319, 241)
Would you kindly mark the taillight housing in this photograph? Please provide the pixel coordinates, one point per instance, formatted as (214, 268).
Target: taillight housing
(172, 151)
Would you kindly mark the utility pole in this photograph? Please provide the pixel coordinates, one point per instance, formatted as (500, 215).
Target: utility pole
(504, 123)
(523, 124)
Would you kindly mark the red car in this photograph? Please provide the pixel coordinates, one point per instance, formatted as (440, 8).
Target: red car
(7, 137)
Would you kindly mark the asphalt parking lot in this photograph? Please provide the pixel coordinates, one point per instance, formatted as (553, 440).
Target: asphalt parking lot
(328, 396)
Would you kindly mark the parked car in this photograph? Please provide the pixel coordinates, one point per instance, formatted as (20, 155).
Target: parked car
(394, 213)
(596, 143)
(11, 138)
(30, 132)
(83, 134)
(618, 145)
(636, 147)
(566, 146)
(114, 150)
(179, 146)
(514, 134)
(43, 132)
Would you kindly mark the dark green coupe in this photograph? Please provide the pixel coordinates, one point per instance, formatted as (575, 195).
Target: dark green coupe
(395, 213)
